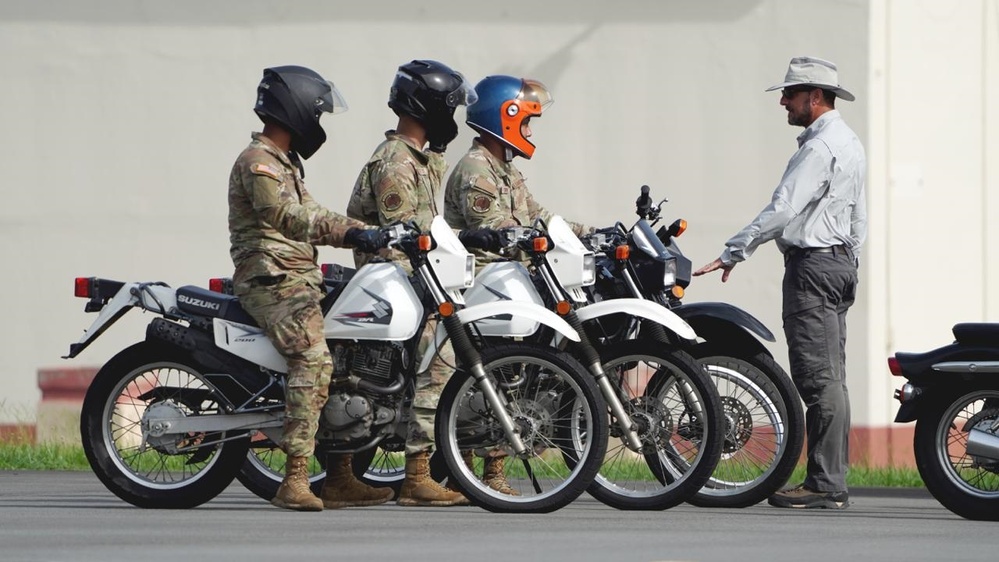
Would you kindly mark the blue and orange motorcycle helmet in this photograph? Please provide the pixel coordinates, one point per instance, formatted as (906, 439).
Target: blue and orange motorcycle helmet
(503, 105)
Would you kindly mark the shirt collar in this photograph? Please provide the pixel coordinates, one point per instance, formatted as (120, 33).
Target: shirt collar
(813, 130)
(417, 151)
(503, 168)
(269, 146)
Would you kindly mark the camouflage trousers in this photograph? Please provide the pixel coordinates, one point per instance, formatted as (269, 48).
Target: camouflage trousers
(290, 314)
(429, 385)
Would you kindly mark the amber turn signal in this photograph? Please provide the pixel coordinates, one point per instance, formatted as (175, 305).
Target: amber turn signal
(677, 291)
(541, 244)
(622, 252)
(563, 308)
(445, 309)
(424, 242)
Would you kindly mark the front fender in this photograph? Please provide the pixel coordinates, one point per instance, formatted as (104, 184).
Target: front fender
(500, 308)
(641, 308)
(726, 313)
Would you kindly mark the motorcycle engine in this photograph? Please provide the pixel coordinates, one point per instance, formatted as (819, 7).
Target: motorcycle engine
(348, 416)
(377, 363)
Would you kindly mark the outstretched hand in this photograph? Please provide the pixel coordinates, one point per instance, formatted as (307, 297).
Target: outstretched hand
(717, 264)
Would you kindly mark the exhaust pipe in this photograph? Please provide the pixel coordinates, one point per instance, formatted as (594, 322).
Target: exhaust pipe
(983, 444)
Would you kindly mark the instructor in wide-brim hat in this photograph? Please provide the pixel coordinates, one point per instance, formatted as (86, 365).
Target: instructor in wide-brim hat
(818, 216)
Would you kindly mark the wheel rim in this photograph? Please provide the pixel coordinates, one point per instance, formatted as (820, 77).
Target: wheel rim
(543, 402)
(159, 391)
(756, 434)
(670, 441)
(976, 477)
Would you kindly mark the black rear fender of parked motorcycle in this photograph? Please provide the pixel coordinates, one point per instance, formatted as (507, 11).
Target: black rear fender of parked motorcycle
(952, 393)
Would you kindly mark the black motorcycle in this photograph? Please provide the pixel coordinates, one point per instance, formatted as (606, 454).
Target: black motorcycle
(952, 394)
(762, 410)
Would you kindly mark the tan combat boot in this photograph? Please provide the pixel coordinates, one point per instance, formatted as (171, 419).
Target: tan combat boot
(494, 477)
(419, 489)
(469, 458)
(342, 489)
(294, 492)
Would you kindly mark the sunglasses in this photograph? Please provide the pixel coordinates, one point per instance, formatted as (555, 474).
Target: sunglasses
(790, 92)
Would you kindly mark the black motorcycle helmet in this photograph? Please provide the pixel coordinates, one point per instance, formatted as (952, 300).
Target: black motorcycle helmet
(429, 92)
(295, 97)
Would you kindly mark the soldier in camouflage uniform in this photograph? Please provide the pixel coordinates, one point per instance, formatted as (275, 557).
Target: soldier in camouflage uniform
(485, 189)
(401, 182)
(274, 225)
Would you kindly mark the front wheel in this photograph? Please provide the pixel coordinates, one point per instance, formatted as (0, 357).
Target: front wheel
(764, 428)
(557, 411)
(125, 423)
(676, 411)
(965, 484)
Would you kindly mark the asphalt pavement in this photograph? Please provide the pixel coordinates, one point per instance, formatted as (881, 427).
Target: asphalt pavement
(56, 516)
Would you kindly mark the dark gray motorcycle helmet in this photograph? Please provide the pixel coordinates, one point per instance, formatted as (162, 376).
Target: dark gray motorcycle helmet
(430, 91)
(296, 97)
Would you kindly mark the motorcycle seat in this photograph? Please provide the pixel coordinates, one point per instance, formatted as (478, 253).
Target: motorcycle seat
(202, 302)
(977, 333)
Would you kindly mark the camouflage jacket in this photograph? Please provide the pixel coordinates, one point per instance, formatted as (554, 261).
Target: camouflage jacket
(400, 182)
(486, 192)
(273, 221)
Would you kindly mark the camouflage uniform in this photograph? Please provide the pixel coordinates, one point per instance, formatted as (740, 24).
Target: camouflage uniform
(401, 182)
(274, 225)
(486, 192)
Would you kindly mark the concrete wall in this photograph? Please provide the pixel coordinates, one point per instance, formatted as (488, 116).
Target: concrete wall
(124, 117)
(130, 113)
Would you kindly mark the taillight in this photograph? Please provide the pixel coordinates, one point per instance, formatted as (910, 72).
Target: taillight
(894, 366)
(220, 285)
(84, 287)
(327, 269)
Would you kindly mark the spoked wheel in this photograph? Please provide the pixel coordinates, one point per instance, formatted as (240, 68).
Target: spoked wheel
(763, 433)
(125, 428)
(557, 412)
(966, 484)
(263, 469)
(677, 412)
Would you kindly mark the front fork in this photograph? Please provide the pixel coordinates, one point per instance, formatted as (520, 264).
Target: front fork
(469, 356)
(589, 353)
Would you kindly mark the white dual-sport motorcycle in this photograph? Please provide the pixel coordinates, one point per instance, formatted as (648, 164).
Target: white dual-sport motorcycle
(168, 421)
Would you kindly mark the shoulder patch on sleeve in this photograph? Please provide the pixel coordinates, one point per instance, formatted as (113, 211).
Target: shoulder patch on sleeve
(262, 169)
(481, 204)
(484, 186)
(391, 200)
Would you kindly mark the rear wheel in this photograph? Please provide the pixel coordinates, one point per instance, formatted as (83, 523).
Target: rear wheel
(968, 485)
(125, 429)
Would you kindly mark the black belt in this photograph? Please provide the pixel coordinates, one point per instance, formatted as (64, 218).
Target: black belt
(839, 250)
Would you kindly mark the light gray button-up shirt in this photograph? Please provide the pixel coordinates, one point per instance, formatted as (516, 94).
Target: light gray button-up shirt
(820, 201)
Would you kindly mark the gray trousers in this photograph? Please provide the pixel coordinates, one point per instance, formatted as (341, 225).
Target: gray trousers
(818, 290)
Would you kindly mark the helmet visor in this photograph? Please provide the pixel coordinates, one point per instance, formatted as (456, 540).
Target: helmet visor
(464, 94)
(537, 92)
(331, 102)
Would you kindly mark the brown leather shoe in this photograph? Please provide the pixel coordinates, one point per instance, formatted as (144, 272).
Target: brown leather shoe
(343, 489)
(419, 489)
(294, 492)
